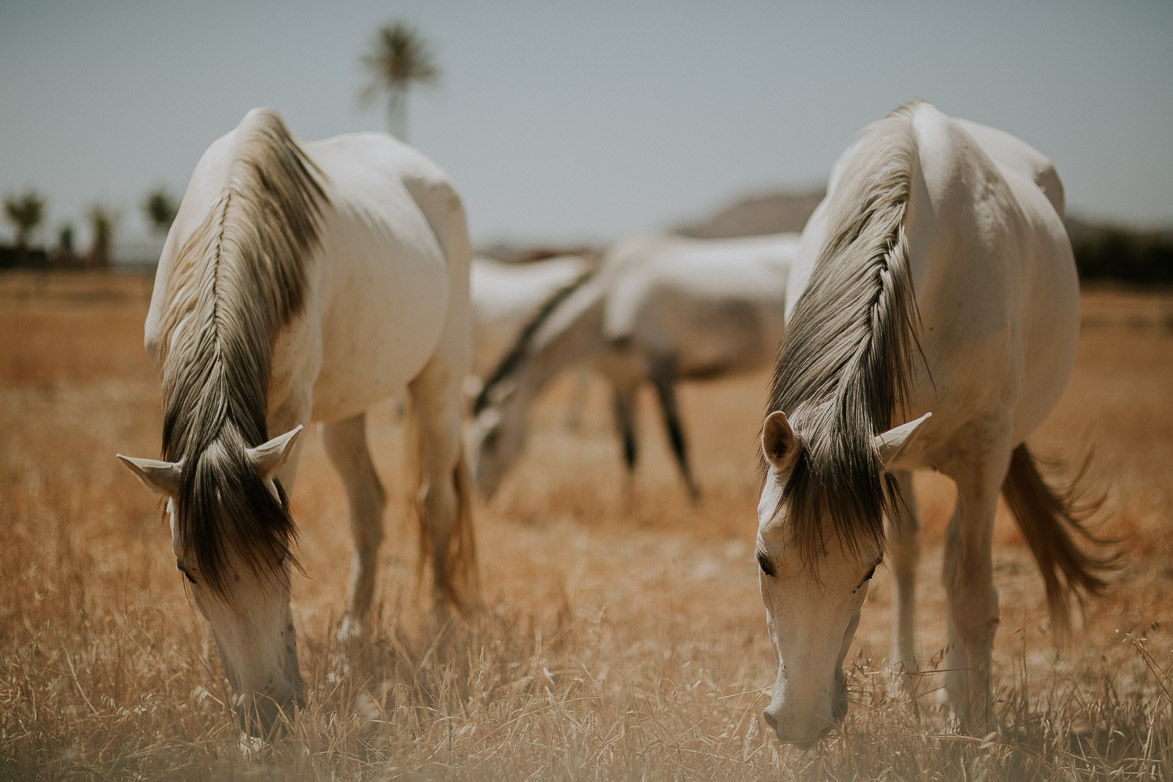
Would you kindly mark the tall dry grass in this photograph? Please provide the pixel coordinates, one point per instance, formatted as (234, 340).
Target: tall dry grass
(622, 637)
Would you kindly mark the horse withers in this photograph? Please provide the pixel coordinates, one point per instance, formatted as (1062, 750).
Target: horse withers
(304, 282)
(932, 318)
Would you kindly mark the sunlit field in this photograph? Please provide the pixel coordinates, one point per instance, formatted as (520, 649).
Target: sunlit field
(621, 635)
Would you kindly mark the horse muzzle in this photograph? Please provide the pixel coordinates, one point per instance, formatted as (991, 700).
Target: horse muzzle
(803, 727)
(266, 715)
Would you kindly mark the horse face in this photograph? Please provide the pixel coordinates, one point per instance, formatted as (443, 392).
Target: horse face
(249, 614)
(253, 629)
(497, 436)
(812, 608)
(812, 613)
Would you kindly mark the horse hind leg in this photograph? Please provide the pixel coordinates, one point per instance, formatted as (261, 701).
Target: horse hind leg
(444, 500)
(346, 446)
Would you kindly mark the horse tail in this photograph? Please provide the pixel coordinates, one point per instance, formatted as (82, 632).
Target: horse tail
(1048, 517)
(454, 560)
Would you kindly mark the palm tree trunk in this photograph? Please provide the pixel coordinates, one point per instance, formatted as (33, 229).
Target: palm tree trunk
(397, 112)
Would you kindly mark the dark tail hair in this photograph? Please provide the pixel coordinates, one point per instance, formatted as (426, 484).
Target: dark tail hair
(1047, 518)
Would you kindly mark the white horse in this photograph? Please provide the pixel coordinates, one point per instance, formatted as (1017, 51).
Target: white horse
(304, 283)
(506, 296)
(658, 309)
(971, 220)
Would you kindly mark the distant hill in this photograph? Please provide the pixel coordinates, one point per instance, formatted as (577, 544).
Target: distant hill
(761, 214)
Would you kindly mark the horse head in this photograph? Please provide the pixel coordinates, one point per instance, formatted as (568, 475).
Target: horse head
(497, 435)
(813, 594)
(237, 565)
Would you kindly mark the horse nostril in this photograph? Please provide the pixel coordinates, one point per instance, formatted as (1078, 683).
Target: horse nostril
(771, 720)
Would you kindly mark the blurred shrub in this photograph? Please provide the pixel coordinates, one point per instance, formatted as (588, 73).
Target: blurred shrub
(1124, 255)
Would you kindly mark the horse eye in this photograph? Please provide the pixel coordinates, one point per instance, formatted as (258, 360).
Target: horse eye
(765, 564)
(871, 573)
(182, 569)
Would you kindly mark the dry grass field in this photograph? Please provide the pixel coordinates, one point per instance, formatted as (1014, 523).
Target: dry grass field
(622, 636)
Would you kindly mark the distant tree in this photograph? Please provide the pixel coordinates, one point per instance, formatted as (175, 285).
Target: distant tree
(160, 207)
(103, 221)
(65, 255)
(399, 59)
(1114, 253)
(25, 212)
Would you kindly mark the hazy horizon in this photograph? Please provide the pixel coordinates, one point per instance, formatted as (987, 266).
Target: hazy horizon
(574, 123)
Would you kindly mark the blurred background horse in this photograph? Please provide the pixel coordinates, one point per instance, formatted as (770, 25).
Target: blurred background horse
(659, 309)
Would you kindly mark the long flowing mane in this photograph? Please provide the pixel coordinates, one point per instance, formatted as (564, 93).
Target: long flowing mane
(845, 366)
(516, 355)
(236, 280)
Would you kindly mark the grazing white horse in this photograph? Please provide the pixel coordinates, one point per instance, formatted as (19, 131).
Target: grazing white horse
(506, 296)
(935, 279)
(658, 309)
(304, 282)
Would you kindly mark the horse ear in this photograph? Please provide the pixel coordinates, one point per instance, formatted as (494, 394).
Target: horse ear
(780, 445)
(893, 444)
(268, 457)
(160, 478)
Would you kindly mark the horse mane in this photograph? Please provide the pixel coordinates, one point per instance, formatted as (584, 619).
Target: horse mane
(236, 280)
(516, 355)
(845, 366)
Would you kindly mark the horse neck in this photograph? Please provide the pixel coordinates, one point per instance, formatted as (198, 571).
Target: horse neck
(215, 363)
(856, 323)
(571, 333)
(847, 362)
(239, 276)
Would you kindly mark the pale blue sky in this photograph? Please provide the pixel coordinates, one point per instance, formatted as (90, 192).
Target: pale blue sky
(586, 121)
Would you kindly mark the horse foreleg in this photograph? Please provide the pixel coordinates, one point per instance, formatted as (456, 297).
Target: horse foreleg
(346, 445)
(664, 379)
(904, 553)
(972, 599)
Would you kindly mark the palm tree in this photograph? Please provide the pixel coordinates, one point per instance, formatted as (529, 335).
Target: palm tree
(399, 59)
(25, 212)
(160, 208)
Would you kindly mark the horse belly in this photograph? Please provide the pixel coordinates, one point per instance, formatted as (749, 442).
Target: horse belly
(719, 337)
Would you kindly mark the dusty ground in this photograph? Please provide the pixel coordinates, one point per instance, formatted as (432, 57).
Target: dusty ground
(623, 636)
